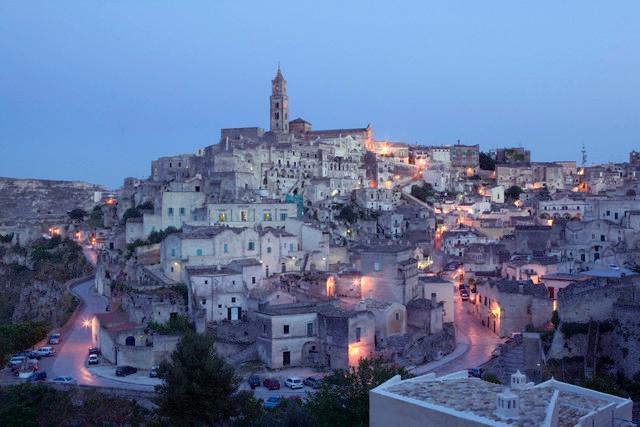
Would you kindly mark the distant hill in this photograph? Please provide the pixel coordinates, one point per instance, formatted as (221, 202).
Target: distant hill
(41, 198)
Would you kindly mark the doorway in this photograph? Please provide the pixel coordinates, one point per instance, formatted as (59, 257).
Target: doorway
(286, 358)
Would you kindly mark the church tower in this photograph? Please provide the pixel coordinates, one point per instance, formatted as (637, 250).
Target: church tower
(279, 121)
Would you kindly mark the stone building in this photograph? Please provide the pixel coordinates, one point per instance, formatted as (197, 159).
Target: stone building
(457, 400)
(507, 306)
(389, 272)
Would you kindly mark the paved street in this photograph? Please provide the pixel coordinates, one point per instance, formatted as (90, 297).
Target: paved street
(480, 340)
(72, 353)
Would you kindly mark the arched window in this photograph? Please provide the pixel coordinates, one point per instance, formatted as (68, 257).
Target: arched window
(130, 341)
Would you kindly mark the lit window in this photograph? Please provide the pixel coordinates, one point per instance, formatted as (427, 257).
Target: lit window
(267, 216)
(221, 217)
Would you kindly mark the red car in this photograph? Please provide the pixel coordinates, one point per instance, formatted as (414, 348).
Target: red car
(271, 384)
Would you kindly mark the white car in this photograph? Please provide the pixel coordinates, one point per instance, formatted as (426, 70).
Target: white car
(64, 380)
(93, 359)
(293, 383)
(45, 351)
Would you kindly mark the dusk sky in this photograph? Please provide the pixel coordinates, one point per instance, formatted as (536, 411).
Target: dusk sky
(95, 90)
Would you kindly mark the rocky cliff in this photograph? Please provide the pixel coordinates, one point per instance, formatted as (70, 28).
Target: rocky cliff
(22, 199)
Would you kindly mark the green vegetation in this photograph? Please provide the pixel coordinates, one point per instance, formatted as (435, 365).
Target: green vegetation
(343, 398)
(131, 213)
(513, 192)
(491, 378)
(199, 387)
(39, 405)
(148, 205)
(486, 162)
(422, 192)
(96, 218)
(175, 325)
(77, 214)
(347, 214)
(20, 336)
(154, 237)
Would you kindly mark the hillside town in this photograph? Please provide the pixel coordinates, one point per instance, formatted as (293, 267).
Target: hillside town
(300, 251)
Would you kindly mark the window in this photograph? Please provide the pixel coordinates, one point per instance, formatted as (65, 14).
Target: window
(170, 211)
(243, 216)
(283, 216)
(376, 266)
(267, 216)
(602, 237)
(397, 316)
(233, 299)
(219, 305)
(206, 282)
(173, 251)
(285, 329)
(290, 247)
(264, 328)
(253, 280)
(358, 334)
(252, 246)
(309, 329)
(198, 252)
(182, 211)
(203, 301)
(269, 249)
(221, 217)
(225, 248)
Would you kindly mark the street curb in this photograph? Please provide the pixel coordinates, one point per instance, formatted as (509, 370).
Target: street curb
(118, 379)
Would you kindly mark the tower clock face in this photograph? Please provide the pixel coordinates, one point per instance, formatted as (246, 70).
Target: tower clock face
(277, 87)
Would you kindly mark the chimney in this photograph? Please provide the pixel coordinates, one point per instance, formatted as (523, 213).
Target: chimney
(508, 405)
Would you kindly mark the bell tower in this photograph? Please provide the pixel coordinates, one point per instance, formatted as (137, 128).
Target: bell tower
(279, 109)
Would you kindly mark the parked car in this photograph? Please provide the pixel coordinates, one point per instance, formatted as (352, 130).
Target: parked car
(293, 383)
(313, 381)
(497, 351)
(16, 361)
(153, 372)
(254, 381)
(45, 351)
(123, 371)
(54, 338)
(464, 295)
(38, 376)
(94, 350)
(25, 374)
(64, 380)
(271, 384)
(272, 402)
(93, 359)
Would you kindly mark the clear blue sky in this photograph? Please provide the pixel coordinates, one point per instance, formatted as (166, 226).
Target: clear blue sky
(94, 90)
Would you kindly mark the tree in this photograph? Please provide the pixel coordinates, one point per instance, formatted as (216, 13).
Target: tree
(199, 387)
(347, 214)
(77, 214)
(422, 192)
(343, 397)
(486, 162)
(148, 205)
(513, 192)
(131, 213)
